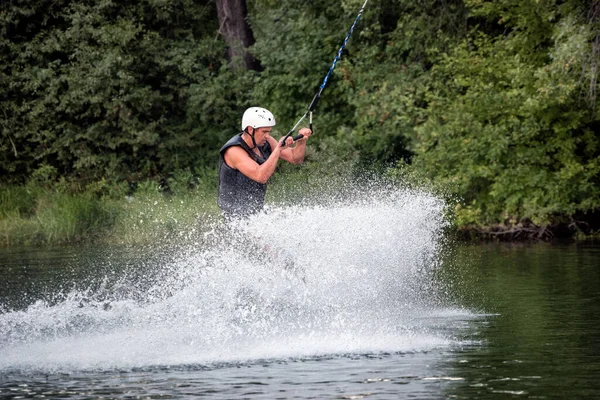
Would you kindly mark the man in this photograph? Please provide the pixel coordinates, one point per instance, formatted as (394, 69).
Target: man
(249, 159)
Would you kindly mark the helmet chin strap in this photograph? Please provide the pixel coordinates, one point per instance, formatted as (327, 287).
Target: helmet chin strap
(251, 136)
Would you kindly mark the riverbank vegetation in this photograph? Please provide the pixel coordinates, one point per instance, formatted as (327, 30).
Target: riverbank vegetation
(183, 206)
(34, 214)
(113, 112)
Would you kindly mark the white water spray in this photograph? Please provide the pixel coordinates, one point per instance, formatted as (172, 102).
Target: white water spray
(351, 278)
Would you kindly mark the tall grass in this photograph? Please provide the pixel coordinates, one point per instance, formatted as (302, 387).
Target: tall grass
(180, 207)
(151, 216)
(37, 213)
(32, 215)
(68, 217)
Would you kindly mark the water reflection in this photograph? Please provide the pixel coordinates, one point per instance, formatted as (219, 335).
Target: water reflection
(545, 340)
(498, 321)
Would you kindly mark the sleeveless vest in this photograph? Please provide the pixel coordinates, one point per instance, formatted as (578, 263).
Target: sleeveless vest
(239, 195)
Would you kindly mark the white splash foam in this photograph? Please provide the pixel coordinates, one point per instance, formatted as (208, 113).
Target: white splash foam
(361, 282)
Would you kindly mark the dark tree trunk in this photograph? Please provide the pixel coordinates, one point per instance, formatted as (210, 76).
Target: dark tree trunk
(594, 21)
(233, 25)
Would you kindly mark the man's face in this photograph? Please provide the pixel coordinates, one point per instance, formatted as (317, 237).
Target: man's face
(260, 135)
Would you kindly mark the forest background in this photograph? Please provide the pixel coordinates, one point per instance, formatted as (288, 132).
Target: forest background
(113, 112)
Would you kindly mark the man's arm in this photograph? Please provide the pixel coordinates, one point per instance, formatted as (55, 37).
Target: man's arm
(238, 159)
(294, 155)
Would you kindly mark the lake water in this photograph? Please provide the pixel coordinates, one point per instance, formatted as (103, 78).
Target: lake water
(359, 300)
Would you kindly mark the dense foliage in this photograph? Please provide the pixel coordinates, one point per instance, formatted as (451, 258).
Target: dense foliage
(96, 89)
(494, 99)
(512, 119)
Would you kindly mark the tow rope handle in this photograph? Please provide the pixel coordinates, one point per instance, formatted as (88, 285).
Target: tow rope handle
(312, 106)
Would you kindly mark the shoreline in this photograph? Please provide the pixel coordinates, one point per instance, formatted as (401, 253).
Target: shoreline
(34, 215)
(579, 231)
(147, 220)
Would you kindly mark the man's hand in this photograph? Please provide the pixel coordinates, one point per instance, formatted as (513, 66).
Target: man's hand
(294, 155)
(288, 142)
(305, 132)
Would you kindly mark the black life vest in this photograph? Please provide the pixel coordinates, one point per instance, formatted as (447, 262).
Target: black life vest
(239, 195)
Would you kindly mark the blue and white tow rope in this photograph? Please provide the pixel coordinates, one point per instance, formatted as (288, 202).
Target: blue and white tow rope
(315, 100)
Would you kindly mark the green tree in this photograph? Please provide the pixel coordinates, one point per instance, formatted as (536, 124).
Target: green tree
(507, 124)
(391, 77)
(101, 89)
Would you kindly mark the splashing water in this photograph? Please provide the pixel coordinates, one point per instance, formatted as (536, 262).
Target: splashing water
(352, 277)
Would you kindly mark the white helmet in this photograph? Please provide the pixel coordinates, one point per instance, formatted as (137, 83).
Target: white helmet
(257, 117)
